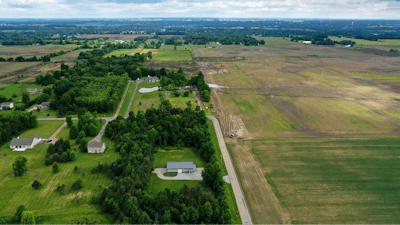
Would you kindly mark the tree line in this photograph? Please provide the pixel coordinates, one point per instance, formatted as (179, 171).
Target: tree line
(12, 123)
(138, 138)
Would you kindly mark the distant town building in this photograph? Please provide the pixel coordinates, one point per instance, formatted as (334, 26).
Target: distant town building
(181, 167)
(21, 144)
(150, 79)
(96, 147)
(8, 105)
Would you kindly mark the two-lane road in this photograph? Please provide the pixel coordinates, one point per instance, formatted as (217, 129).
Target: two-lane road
(241, 203)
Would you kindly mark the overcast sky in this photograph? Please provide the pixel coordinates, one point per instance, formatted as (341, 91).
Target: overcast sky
(354, 9)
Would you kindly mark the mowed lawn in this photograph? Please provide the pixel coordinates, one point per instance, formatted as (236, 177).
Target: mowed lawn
(144, 101)
(182, 101)
(331, 181)
(187, 154)
(44, 129)
(47, 204)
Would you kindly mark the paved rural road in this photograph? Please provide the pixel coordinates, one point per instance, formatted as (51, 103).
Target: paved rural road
(133, 96)
(243, 210)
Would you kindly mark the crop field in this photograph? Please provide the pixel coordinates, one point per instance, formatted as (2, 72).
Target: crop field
(28, 51)
(46, 203)
(330, 181)
(44, 129)
(314, 96)
(163, 156)
(144, 101)
(172, 55)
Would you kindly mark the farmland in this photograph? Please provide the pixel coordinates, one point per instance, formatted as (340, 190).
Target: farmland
(306, 121)
(28, 51)
(172, 55)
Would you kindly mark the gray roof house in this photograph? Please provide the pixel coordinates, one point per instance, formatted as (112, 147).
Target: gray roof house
(181, 167)
(44, 105)
(150, 79)
(21, 143)
(9, 105)
(96, 147)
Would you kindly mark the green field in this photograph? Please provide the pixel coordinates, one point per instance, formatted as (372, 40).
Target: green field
(144, 101)
(172, 55)
(48, 205)
(44, 129)
(127, 99)
(19, 88)
(181, 101)
(333, 181)
(122, 52)
(163, 156)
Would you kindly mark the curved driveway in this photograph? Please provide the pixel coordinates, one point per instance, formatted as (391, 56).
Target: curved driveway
(243, 211)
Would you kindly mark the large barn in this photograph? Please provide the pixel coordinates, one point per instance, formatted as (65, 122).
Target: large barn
(181, 167)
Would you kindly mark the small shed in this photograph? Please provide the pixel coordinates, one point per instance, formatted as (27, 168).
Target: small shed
(181, 167)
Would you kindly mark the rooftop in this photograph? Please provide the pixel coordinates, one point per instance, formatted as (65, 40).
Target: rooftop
(95, 144)
(181, 165)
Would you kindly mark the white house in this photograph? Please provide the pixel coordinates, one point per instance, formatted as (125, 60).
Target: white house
(347, 46)
(21, 144)
(96, 147)
(307, 42)
(32, 90)
(8, 105)
(150, 79)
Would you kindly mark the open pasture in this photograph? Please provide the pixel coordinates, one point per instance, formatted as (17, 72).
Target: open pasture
(144, 101)
(173, 55)
(46, 203)
(8, 67)
(326, 181)
(28, 51)
(310, 95)
(44, 129)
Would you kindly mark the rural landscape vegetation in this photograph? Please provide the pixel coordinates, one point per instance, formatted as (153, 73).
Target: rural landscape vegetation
(287, 121)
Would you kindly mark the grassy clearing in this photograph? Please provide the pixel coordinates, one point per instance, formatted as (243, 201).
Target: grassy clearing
(127, 99)
(44, 129)
(144, 101)
(163, 156)
(172, 55)
(329, 181)
(182, 101)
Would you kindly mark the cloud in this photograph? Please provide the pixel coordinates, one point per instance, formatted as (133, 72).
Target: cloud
(361, 9)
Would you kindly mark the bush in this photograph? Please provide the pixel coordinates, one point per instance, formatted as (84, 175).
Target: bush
(56, 169)
(76, 168)
(61, 188)
(14, 95)
(176, 94)
(27, 217)
(186, 94)
(36, 184)
(78, 184)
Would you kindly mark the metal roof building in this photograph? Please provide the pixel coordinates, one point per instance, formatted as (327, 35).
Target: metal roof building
(181, 167)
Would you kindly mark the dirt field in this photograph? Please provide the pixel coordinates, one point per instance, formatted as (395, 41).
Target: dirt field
(127, 36)
(286, 89)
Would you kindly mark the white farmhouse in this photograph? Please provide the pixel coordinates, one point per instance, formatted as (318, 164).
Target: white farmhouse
(21, 144)
(307, 42)
(8, 105)
(96, 147)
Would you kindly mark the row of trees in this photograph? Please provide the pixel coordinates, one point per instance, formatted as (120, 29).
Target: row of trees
(12, 123)
(136, 138)
(322, 40)
(60, 152)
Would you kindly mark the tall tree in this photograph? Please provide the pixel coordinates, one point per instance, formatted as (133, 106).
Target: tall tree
(19, 165)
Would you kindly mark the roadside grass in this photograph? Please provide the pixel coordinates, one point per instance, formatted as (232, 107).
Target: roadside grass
(144, 101)
(127, 99)
(354, 178)
(44, 129)
(172, 55)
(179, 101)
(187, 154)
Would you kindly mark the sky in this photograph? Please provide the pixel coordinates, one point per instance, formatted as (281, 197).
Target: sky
(324, 9)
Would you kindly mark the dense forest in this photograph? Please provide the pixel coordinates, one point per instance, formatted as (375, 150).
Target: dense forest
(137, 140)
(12, 123)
